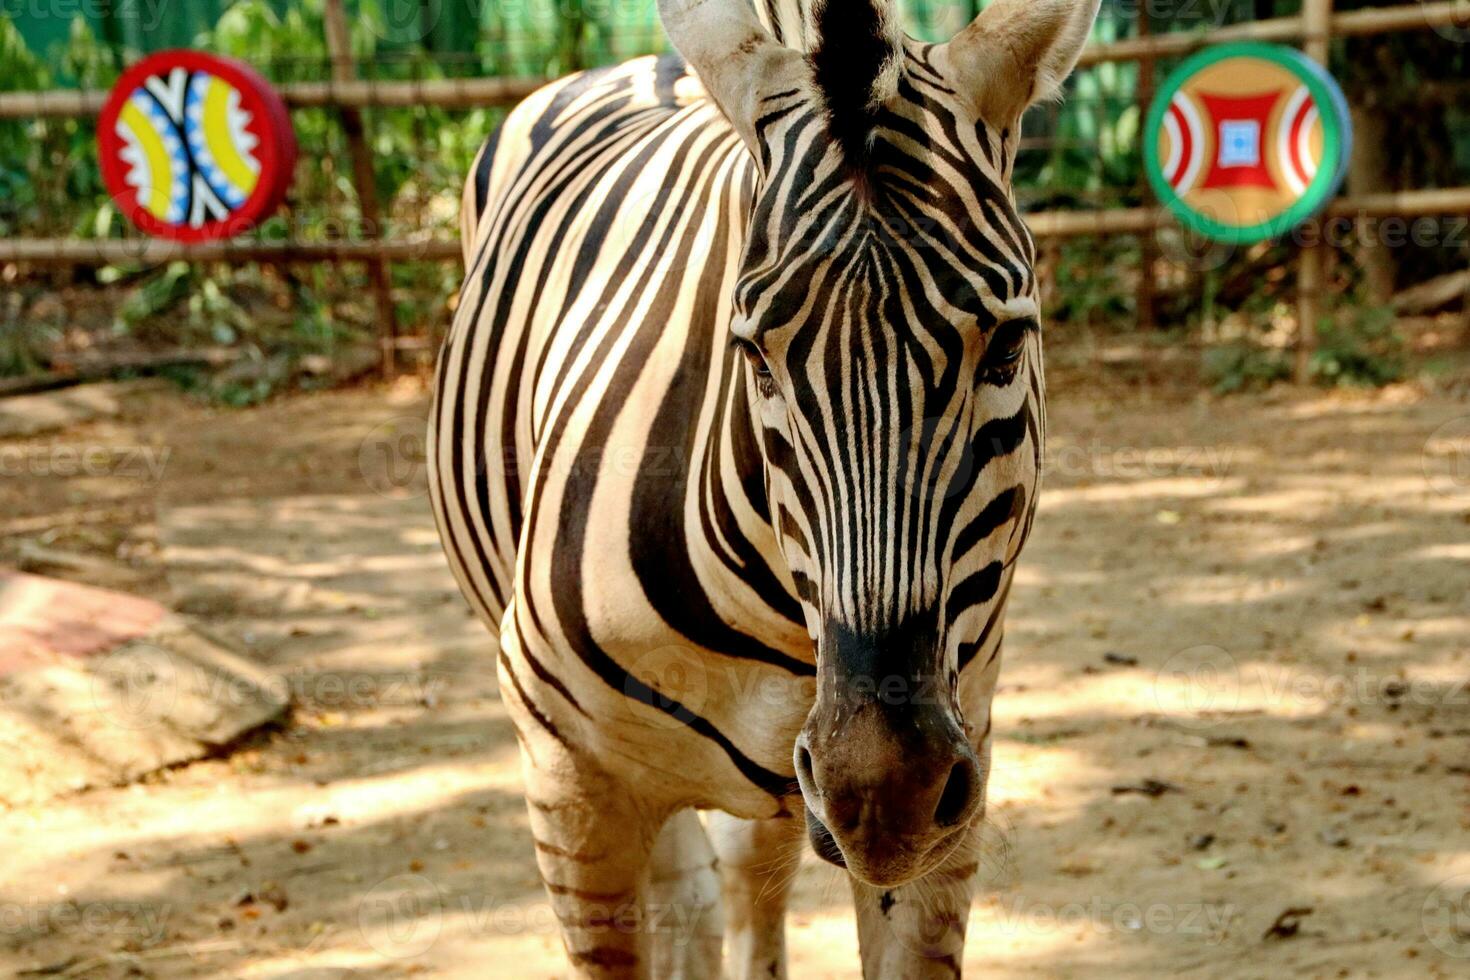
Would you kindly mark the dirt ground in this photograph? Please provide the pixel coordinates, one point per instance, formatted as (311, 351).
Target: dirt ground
(1233, 733)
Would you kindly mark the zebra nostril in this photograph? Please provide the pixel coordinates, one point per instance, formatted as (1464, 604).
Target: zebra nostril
(804, 768)
(954, 801)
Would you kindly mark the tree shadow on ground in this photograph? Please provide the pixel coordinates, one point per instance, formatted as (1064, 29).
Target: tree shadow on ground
(1235, 685)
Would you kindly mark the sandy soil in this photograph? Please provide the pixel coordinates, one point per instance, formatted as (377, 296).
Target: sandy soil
(1238, 684)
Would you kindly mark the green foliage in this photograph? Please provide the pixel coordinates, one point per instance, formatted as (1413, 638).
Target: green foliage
(22, 70)
(1084, 151)
(417, 152)
(1244, 367)
(49, 182)
(22, 342)
(196, 306)
(553, 37)
(1358, 347)
(50, 186)
(1090, 282)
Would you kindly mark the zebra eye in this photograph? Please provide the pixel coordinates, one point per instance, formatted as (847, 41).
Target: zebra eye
(752, 354)
(1006, 346)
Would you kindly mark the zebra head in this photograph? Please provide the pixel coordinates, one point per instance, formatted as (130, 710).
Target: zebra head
(887, 308)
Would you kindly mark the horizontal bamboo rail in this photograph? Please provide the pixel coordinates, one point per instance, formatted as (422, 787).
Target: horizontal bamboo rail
(440, 93)
(1386, 20)
(1081, 224)
(1403, 204)
(1135, 221)
(1183, 42)
(1352, 23)
(157, 251)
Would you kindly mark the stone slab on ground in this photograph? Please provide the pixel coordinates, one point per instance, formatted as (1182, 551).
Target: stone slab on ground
(23, 416)
(100, 688)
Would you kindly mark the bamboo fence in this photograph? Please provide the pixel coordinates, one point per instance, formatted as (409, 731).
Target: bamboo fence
(1314, 28)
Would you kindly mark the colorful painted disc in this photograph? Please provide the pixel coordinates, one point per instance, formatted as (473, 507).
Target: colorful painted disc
(194, 146)
(1246, 141)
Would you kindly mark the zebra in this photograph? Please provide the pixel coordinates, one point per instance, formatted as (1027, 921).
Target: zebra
(735, 440)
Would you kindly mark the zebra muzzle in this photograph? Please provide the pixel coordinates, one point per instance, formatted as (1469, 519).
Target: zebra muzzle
(884, 787)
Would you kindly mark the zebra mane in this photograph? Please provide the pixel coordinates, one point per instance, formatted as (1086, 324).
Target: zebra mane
(855, 60)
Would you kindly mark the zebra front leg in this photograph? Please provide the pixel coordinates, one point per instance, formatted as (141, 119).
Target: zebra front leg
(917, 930)
(593, 841)
(682, 902)
(593, 836)
(758, 862)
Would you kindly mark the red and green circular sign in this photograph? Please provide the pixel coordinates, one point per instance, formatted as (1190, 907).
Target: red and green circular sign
(1246, 141)
(194, 146)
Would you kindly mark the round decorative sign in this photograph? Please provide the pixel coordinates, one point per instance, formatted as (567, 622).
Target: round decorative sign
(1246, 141)
(195, 146)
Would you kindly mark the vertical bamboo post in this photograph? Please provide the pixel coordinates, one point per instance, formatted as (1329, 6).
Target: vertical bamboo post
(344, 69)
(1148, 245)
(1316, 31)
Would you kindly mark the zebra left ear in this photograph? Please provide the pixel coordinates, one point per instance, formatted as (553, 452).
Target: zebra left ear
(1019, 52)
(736, 58)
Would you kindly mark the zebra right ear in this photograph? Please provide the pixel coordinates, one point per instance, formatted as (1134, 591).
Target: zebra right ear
(1019, 52)
(736, 58)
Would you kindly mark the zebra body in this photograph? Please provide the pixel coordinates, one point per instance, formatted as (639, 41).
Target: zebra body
(598, 406)
(703, 557)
